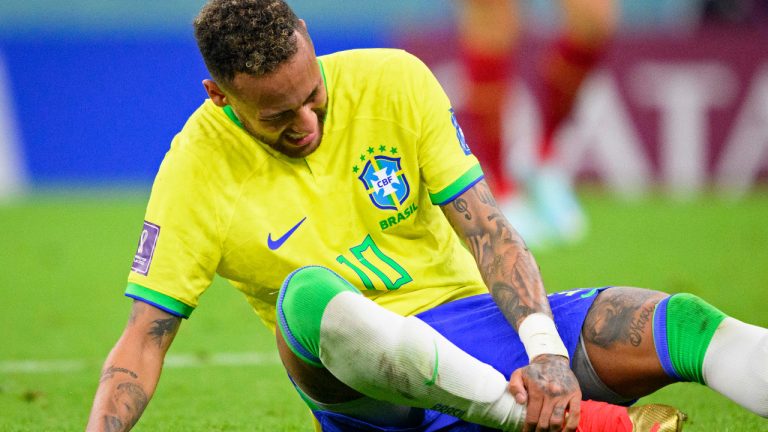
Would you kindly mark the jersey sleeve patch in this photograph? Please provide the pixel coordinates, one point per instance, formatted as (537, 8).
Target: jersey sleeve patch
(143, 258)
(159, 300)
(458, 187)
(460, 134)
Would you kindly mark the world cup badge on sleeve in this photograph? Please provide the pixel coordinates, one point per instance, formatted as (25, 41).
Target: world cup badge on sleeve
(143, 258)
(460, 133)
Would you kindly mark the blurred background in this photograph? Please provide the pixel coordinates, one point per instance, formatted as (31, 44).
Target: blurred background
(666, 143)
(92, 91)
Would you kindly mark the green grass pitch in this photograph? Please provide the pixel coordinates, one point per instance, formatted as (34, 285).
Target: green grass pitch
(65, 258)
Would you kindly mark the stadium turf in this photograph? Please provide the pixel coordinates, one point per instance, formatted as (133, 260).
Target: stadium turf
(65, 258)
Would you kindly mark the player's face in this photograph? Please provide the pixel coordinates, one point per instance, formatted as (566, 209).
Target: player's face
(286, 108)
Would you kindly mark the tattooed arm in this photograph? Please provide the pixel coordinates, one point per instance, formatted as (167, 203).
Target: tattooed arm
(508, 268)
(132, 369)
(511, 274)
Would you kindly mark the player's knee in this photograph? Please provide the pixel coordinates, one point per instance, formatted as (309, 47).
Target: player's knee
(301, 302)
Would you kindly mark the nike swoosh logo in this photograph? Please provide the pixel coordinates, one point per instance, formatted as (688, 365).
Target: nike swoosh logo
(275, 244)
(433, 380)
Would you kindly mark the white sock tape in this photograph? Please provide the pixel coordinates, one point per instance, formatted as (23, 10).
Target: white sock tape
(539, 336)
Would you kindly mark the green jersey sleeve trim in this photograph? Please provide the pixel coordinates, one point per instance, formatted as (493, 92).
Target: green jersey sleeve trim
(159, 300)
(231, 114)
(458, 187)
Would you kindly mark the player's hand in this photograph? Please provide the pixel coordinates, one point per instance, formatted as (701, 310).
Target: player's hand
(551, 392)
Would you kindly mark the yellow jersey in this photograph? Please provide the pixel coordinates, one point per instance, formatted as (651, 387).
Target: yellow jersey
(364, 204)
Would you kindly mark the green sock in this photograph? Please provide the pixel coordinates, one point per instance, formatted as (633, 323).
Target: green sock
(691, 323)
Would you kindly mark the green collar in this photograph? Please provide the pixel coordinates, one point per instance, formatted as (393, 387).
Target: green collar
(231, 114)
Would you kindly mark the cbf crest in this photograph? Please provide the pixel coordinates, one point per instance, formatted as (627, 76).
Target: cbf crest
(383, 178)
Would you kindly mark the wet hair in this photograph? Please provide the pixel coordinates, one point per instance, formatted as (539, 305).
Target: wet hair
(246, 36)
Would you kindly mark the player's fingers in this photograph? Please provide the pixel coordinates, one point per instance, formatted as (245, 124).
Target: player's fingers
(517, 387)
(557, 418)
(533, 412)
(574, 414)
(545, 415)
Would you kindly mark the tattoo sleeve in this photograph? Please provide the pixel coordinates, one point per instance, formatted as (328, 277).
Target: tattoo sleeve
(506, 264)
(162, 328)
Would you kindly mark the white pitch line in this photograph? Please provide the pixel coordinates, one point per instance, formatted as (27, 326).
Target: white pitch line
(171, 361)
(41, 366)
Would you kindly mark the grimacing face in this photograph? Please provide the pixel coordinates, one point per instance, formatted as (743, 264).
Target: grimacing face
(284, 109)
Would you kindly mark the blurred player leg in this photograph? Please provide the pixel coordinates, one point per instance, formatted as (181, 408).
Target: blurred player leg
(488, 38)
(588, 26)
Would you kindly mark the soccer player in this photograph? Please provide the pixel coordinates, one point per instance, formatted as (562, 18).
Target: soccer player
(546, 210)
(338, 194)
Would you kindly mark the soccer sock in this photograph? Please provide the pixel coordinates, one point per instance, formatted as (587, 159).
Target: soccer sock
(736, 364)
(683, 326)
(697, 342)
(328, 323)
(563, 69)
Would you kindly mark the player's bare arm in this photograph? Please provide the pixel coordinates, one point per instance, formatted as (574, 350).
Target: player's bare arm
(132, 369)
(506, 264)
(512, 276)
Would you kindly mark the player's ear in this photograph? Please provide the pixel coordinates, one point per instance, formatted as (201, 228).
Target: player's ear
(215, 93)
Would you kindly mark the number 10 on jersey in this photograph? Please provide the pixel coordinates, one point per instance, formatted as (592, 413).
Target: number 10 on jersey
(368, 256)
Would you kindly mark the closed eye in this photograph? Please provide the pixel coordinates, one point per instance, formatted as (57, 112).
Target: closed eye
(287, 114)
(277, 117)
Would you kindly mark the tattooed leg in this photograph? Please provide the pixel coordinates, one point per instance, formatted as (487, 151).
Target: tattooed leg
(618, 337)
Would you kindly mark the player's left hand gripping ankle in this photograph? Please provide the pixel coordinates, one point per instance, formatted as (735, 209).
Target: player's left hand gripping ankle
(550, 390)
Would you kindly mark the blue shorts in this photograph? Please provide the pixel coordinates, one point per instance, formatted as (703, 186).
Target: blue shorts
(476, 325)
